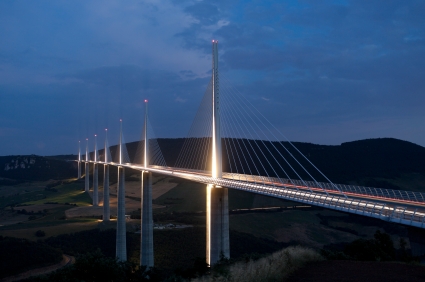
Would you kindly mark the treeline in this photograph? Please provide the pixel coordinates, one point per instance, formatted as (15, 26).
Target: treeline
(18, 255)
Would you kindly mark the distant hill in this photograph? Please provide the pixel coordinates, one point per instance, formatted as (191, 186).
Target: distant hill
(34, 167)
(351, 161)
(358, 161)
(377, 158)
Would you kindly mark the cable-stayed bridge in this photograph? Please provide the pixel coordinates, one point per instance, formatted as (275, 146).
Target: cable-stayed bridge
(231, 145)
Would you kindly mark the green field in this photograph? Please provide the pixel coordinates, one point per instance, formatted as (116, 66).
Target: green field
(71, 193)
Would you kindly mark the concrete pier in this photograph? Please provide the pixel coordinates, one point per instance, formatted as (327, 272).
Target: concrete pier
(79, 160)
(121, 243)
(87, 180)
(146, 239)
(217, 224)
(106, 209)
(95, 185)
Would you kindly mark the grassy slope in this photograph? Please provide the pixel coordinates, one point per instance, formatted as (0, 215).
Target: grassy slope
(53, 223)
(69, 193)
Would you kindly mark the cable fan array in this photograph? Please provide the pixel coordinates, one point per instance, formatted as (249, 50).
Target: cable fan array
(252, 149)
(196, 150)
(154, 151)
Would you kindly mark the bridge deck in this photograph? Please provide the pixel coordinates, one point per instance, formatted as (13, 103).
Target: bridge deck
(407, 208)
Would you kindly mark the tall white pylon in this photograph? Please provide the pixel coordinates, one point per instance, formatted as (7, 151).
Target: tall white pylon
(145, 136)
(216, 136)
(106, 209)
(121, 243)
(87, 180)
(217, 197)
(79, 159)
(146, 225)
(95, 175)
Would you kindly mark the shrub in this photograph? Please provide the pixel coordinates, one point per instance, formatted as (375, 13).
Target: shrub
(40, 233)
(381, 248)
(275, 267)
(19, 255)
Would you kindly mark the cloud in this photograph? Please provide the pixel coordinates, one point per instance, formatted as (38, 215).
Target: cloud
(180, 100)
(324, 64)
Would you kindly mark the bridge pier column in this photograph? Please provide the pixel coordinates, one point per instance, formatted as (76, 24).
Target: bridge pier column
(121, 243)
(146, 227)
(106, 210)
(79, 169)
(217, 224)
(87, 180)
(95, 184)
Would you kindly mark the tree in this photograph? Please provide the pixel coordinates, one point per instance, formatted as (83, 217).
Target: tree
(40, 233)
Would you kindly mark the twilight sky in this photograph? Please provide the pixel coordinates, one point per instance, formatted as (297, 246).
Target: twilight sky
(324, 72)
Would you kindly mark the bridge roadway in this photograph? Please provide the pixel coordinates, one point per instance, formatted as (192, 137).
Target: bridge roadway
(387, 206)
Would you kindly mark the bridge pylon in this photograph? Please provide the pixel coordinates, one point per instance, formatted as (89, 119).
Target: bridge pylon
(146, 225)
(217, 243)
(121, 242)
(95, 175)
(106, 209)
(87, 180)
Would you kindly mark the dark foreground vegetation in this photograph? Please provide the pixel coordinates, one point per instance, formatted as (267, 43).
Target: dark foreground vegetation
(19, 255)
(179, 256)
(178, 253)
(358, 271)
(95, 266)
(380, 248)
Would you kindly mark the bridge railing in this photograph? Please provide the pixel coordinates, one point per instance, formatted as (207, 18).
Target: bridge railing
(318, 186)
(398, 214)
(355, 189)
(347, 189)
